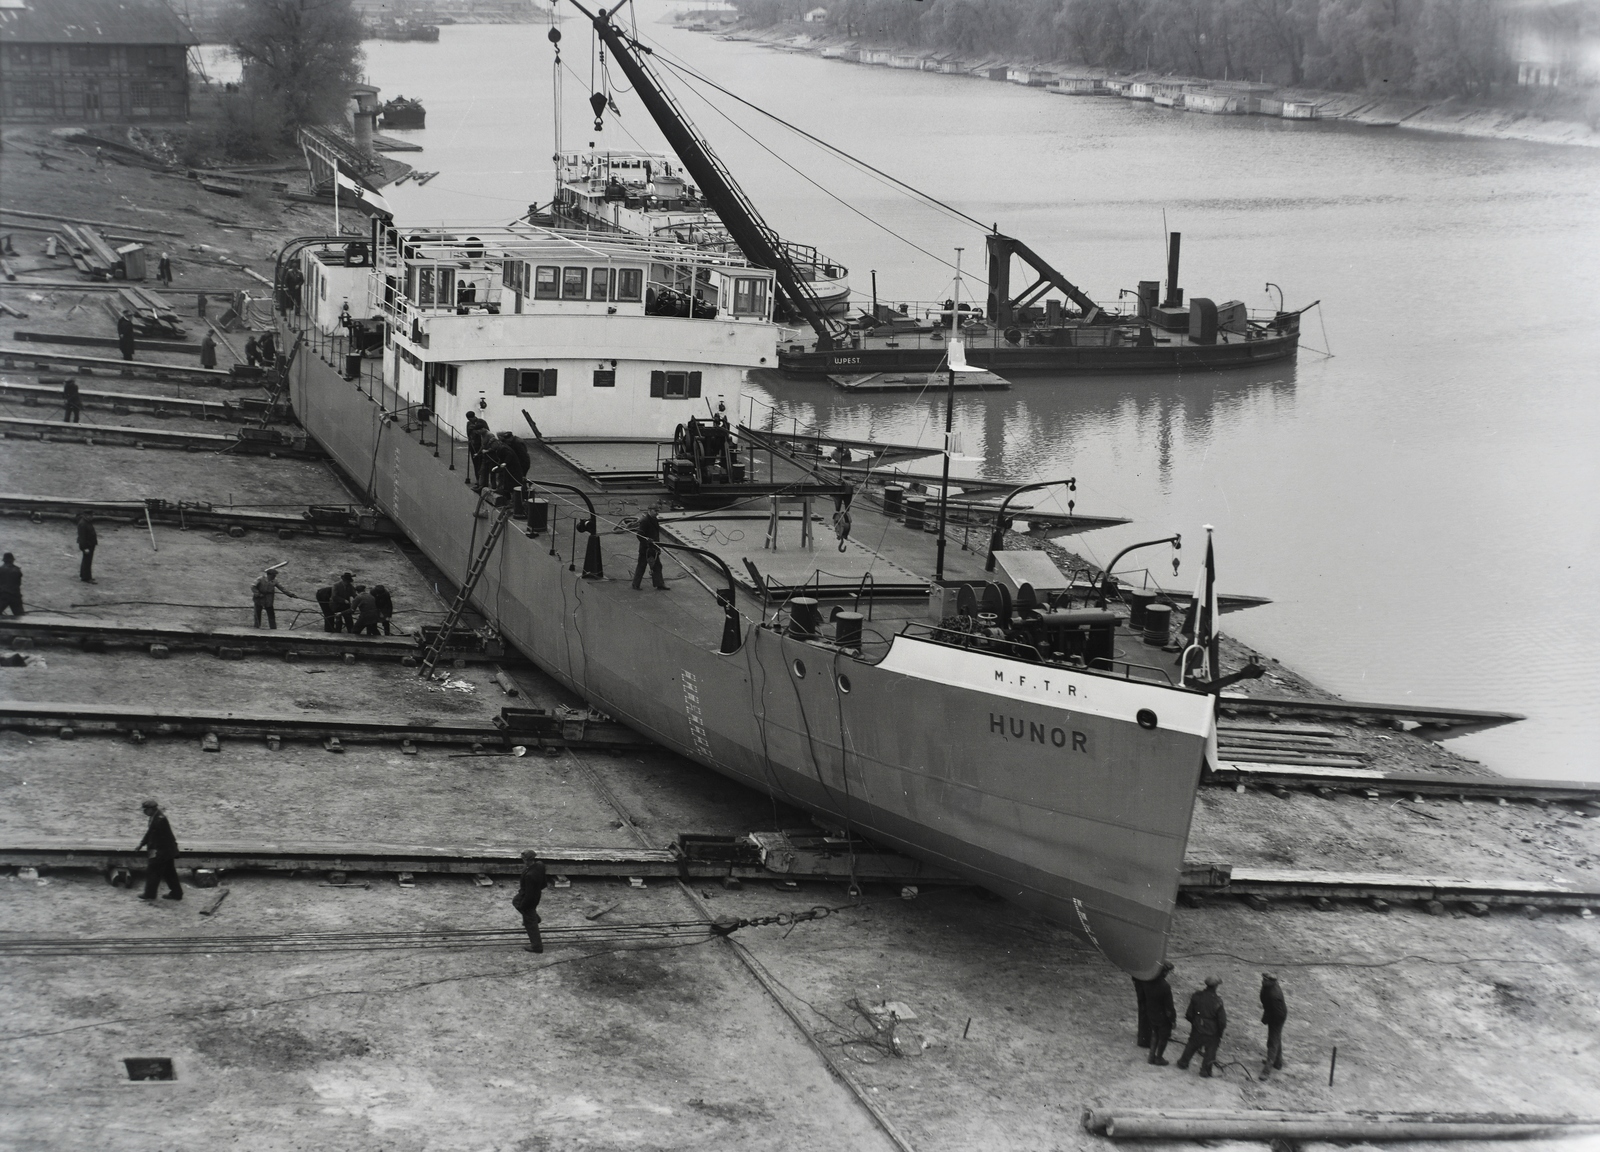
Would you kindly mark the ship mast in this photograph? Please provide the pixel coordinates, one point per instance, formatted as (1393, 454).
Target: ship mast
(953, 351)
(760, 244)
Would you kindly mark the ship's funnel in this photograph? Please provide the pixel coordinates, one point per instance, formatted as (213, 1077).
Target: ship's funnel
(1174, 293)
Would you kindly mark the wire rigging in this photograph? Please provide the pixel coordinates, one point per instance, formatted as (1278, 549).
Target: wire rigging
(685, 70)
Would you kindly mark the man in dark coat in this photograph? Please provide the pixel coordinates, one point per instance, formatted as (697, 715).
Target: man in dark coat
(649, 533)
(88, 541)
(208, 351)
(385, 603)
(534, 879)
(162, 848)
(344, 595)
(1208, 1020)
(1273, 1013)
(125, 335)
(1161, 1013)
(164, 270)
(517, 462)
(477, 433)
(252, 352)
(10, 585)
(72, 403)
(268, 348)
(330, 622)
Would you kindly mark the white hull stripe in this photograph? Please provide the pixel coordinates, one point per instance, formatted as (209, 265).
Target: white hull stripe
(1052, 687)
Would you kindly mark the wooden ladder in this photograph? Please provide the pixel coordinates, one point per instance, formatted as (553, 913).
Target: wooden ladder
(430, 658)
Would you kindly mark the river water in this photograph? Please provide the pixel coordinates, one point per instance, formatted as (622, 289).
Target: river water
(1420, 506)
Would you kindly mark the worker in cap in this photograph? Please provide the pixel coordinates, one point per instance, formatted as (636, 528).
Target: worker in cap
(1208, 1020)
(649, 533)
(344, 595)
(1273, 1013)
(162, 848)
(1161, 1012)
(534, 879)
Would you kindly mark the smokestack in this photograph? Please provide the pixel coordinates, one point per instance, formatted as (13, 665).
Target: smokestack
(1174, 293)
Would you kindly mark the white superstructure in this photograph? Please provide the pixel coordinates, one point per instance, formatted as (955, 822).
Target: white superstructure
(594, 335)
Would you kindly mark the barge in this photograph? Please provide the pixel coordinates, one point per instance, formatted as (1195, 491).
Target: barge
(1013, 731)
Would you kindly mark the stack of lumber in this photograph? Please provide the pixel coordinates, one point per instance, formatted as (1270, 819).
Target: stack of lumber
(1295, 744)
(154, 315)
(90, 252)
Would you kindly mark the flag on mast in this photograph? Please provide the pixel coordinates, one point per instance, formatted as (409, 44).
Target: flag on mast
(364, 196)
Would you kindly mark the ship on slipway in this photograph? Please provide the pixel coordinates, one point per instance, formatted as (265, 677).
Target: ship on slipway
(828, 631)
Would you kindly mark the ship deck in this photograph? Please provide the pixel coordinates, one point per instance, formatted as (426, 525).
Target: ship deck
(780, 547)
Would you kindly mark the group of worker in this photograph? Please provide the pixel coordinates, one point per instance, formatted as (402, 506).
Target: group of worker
(346, 606)
(500, 461)
(1208, 1020)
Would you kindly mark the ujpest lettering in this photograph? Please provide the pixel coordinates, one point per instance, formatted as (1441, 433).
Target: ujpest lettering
(1033, 732)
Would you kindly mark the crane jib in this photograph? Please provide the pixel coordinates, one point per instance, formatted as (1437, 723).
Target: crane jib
(756, 239)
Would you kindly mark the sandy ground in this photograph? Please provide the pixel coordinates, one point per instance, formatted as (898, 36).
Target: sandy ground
(597, 1044)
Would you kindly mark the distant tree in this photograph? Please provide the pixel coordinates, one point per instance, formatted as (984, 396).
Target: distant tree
(1461, 48)
(301, 55)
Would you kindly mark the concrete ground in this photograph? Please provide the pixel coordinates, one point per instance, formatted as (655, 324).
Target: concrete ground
(604, 1041)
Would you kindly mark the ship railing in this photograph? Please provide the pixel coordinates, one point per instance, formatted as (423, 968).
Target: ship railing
(1020, 650)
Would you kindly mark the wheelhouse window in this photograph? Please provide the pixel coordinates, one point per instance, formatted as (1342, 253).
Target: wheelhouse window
(749, 296)
(434, 287)
(547, 282)
(516, 275)
(599, 282)
(574, 283)
(630, 284)
(530, 382)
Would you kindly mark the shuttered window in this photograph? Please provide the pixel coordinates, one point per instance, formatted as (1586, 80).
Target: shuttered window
(530, 382)
(675, 385)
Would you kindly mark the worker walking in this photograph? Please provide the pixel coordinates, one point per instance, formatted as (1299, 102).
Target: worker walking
(1161, 1013)
(72, 403)
(1208, 1020)
(649, 533)
(385, 603)
(1273, 1013)
(262, 595)
(125, 335)
(208, 351)
(534, 879)
(365, 607)
(10, 586)
(161, 846)
(88, 541)
(344, 595)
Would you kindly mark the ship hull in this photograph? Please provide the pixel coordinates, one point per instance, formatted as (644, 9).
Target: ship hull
(1051, 796)
(1044, 359)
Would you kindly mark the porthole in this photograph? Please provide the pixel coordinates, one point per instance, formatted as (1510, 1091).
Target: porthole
(800, 669)
(844, 684)
(1146, 718)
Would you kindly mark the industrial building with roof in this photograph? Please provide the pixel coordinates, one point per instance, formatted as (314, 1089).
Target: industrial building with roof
(80, 61)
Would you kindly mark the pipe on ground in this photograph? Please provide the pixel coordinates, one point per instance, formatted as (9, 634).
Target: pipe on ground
(1333, 1127)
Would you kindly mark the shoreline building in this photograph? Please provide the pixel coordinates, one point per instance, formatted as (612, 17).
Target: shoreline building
(78, 61)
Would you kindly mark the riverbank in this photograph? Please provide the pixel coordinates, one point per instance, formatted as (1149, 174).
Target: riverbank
(1451, 116)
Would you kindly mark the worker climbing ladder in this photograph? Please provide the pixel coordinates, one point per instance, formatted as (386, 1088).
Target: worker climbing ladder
(479, 562)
